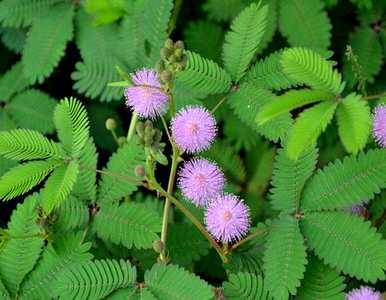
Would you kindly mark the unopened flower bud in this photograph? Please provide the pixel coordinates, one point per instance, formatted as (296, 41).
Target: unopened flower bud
(160, 66)
(110, 124)
(121, 140)
(158, 246)
(165, 53)
(179, 45)
(166, 75)
(140, 128)
(139, 171)
(172, 58)
(179, 53)
(169, 44)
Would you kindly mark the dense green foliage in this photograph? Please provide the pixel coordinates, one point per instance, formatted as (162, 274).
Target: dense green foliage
(292, 84)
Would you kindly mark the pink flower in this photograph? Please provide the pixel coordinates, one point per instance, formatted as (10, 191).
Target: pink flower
(379, 126)
(194, 129)
(146, 96)
(227, 218)
(200, 180)
(363, 293)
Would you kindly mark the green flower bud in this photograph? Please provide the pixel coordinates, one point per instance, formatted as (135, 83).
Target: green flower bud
(179, 53)
(165, 53)
(110, 124)
(166, 75)
(140, 128)
(139, 171)
(179, 45)
(121, 140)
(169, 44)
(172, 58)
(160, 66)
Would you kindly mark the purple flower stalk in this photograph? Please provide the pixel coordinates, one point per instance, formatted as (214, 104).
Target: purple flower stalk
(363, 293)
(146, 96)
(193, 129)
(200, 180)
(227, 218)
(379, 125)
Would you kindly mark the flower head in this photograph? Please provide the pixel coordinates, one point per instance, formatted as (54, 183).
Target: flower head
(363, 293)
(200, 180)
(227, 218)
(194, 129)
(146, 96)
(379, 126)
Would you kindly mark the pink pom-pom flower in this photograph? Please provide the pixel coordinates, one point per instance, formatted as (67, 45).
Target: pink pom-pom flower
(200, 180)
(379, 125)
(227, 218)
(146, 96)
(194, 129)
(363, 293)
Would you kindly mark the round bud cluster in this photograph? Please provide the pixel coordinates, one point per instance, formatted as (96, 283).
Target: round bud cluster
(149, 136)
(173, 59)
(111, 124)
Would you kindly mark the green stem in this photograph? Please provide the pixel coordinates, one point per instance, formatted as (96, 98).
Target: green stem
(249, 237)
(133, 123)
(376, 96)
(218, 104)
(173, 19)
(165, 218)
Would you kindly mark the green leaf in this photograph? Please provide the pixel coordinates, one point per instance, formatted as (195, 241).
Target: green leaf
(5, 121)
(305, 23)
(14, 38)
(72, 214)
(13, 81)
(370, 59)
(217, 11)
(23, 245)
(242, 41)
(22, 178)
(284, 258)
(95, 279)
(25, 144)
(6, 164)
(85, 186)
(185, 244)
(289, 177)
(308, 126)
(33, 109)
(62, 253)
(354, 121)
(72, 123)
(59, 185)
(245, 286)
(268, 73)
(358, 249)
(344, 184)
(46, 42)
(308, 67)
(321, 282)
(170, 282)
(289, 101)
(271, 26)
(129, 224)
(120, 179)
(22, 13)
(247, 102)
(203, 75)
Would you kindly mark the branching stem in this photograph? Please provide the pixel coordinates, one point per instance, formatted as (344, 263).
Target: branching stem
(133, 123)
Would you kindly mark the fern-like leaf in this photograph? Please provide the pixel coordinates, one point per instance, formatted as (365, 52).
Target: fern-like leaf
(245, 286)
(72, 123)
(85, 186)
(247, 102)
(321, 282)
(370, 59)
(308, 126)
(22, 178)
(62, 253)
(13, 81)
(289, 101)
(122, 180)
(217, 11)
(23, 12)
(289, 177)
(23, 245)
(284, 258)
(170, 282)
(59, 186)
(14, 39)
(305, 24)
(204, 75)
(344, 184)
(33, 109)
(354, 121)
(242, 41)
(268, 73)
(358, 249)
(128, 224)
(95, 279)
(308, 67)
(25, 144)
(72, 214)
(46, 42)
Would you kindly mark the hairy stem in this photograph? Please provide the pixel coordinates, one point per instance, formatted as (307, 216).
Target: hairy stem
(173, 19)
(376, 96)
(219, 103)
(257, 233)
(165, 218)
(133, 123)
